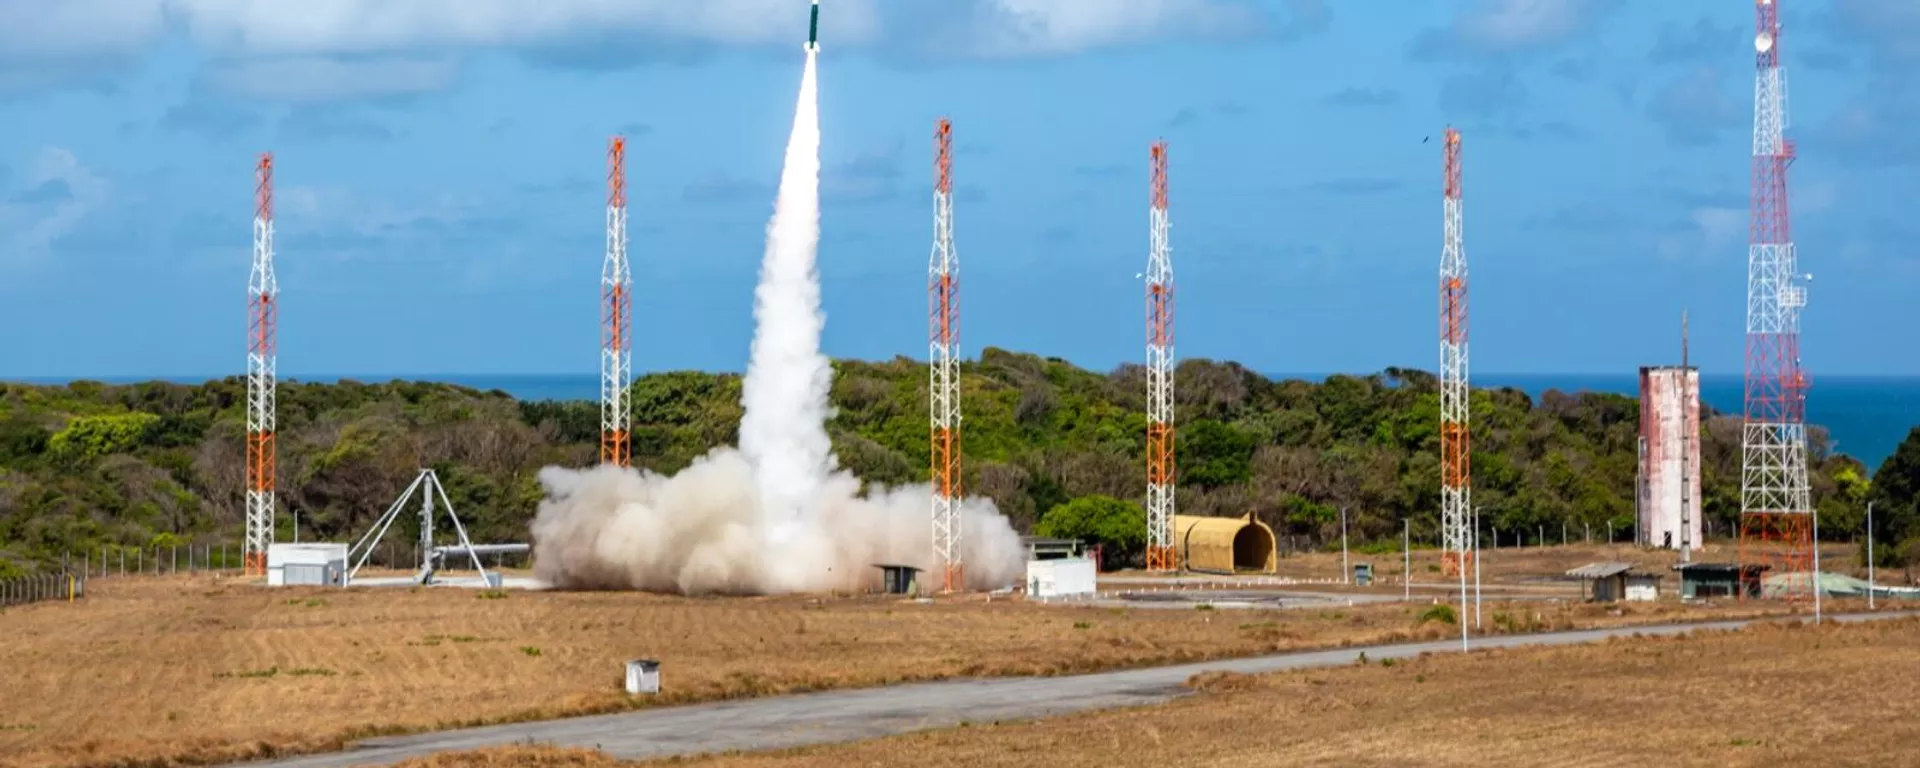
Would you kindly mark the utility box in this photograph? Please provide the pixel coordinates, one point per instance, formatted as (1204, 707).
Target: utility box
(643, 676)
(316, 564)
(1363, 574)
(1064, 577)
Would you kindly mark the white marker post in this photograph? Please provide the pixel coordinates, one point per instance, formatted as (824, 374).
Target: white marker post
(1346, 570)
(1816, 567)
(1406, 550)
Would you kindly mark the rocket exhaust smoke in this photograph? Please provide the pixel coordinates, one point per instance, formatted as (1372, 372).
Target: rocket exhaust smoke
(775, 515)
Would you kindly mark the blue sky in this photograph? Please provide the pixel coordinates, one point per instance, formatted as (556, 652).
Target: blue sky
(440, 177)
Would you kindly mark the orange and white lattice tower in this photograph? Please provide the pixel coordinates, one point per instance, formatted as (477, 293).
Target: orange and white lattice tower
(616, 324)
(1776, 508)
(263, 293)
(943, 363)
(1456, 477)
(1161, 554)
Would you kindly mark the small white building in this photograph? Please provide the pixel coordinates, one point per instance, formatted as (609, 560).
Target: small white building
(317, 564)
(1061, 577)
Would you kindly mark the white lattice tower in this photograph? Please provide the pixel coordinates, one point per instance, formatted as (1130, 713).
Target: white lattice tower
(1776, 523)
(943, 364)
(1456, 476)
(616, 332)
(263, 292)
(1161, 553)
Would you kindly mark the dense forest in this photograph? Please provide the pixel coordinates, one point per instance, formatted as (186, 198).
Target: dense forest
(89, 465)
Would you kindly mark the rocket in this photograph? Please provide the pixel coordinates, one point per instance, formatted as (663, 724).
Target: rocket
(813, 29)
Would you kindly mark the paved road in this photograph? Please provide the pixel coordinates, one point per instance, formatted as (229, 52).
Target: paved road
(839, 716)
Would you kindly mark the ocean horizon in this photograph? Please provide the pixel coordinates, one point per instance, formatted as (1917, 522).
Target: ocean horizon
(1866, 417)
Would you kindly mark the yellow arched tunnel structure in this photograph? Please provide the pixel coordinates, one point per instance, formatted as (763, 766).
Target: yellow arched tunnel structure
(1224, 544)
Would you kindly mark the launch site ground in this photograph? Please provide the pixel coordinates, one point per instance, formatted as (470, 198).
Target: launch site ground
(155, 670)
(1660, 699)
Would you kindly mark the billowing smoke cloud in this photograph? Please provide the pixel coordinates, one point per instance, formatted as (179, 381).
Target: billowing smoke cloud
(774, 515)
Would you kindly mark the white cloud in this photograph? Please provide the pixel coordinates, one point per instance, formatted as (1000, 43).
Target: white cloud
(1508, 24)
(267, 27)
(989, 28)
(38, 30)
(311, 79)
(1047, 27)
(52, 196)
(1709, 235)
(1498, 27)
(314, 50)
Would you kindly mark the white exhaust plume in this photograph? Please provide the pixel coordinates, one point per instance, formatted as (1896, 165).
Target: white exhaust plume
(775, 515)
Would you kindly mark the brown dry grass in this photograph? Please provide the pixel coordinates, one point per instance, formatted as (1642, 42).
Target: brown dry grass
(194, 669)
(1771, 695)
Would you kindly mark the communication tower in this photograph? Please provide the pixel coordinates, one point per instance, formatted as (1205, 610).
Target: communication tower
(263, 293)
(943, 362)
(616, 337)
(1776, 511)
(1161, 554)
(1456, 477)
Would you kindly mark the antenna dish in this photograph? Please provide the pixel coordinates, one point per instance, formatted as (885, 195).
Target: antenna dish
(1762, 42)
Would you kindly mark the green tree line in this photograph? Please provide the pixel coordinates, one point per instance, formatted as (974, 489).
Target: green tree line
(89, 465)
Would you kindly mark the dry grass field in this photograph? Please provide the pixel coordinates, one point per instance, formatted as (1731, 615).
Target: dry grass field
(1772, 695)
(1522, 565)
(200, 669)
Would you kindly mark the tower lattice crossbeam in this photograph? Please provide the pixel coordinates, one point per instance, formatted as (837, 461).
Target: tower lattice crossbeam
(1776, 511)
(263, 292)
(616, 339)
(943, 365)
(1161, 553)
(1456, 477)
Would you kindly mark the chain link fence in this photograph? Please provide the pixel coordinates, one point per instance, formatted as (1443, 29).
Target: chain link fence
(67, 579)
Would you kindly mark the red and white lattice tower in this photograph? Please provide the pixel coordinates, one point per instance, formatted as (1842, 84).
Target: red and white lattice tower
(1161, 554)
(1776, 514)
(1456, 476)
(616, 331)
(943, 363)
(263, 293)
